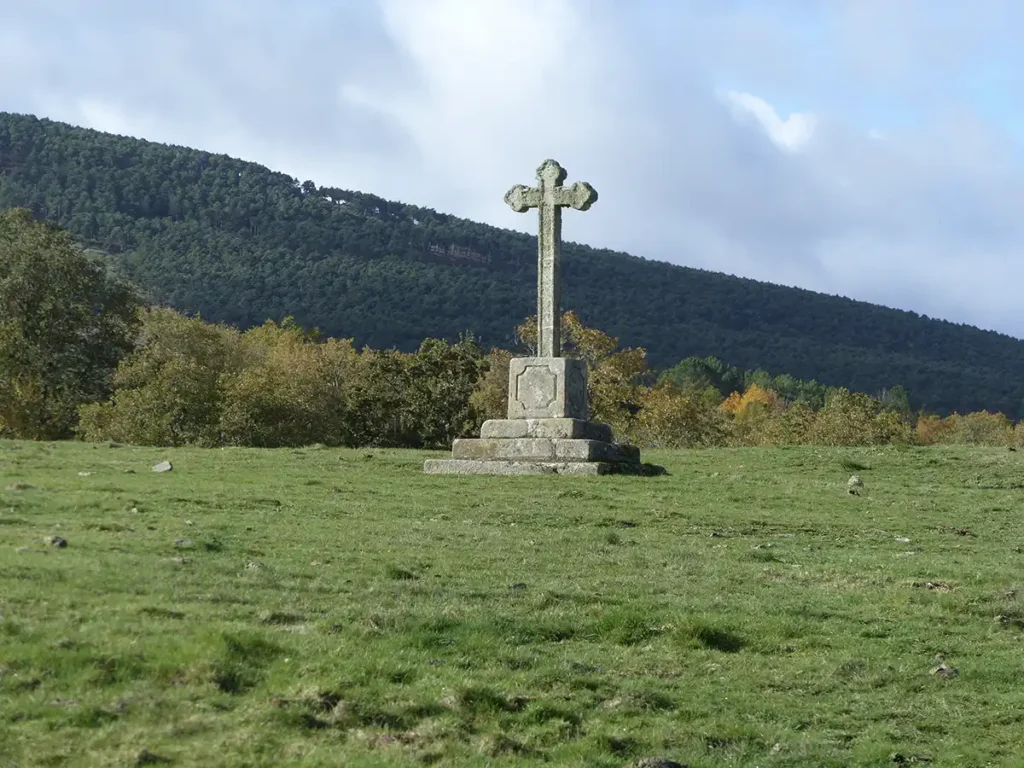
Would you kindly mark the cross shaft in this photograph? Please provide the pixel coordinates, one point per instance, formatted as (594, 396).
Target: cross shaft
(549, 197)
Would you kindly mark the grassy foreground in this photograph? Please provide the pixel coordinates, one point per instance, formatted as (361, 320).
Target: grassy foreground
(330, 607)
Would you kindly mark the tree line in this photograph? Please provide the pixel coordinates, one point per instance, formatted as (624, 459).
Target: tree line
(82, 355)
(238, 244)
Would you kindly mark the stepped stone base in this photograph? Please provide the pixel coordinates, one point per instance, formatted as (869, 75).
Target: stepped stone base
(505, 467)
(547, 431)
(554, 446)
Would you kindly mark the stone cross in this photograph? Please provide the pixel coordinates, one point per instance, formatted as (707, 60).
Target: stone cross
(549, 196)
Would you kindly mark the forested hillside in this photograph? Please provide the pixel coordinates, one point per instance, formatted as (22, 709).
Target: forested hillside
(240, 243)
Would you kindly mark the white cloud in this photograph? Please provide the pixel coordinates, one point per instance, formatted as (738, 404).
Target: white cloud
(790, 134)
(448, 103)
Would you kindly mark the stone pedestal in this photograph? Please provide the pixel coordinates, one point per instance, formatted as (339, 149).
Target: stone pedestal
(547, 388)
(546, 432)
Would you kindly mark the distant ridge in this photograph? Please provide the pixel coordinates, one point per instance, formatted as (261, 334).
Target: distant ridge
(240, 243)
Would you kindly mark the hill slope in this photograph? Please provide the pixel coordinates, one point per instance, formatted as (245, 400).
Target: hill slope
(240, 243)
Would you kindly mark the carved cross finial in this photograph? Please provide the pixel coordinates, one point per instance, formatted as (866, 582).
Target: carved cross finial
(549, 197)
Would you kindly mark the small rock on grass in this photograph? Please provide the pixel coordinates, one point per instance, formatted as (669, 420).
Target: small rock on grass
(938, 586)
(56, 541)
(656, 762)
(943, 669)
(901, 759)
(145, 757)
(163, 466)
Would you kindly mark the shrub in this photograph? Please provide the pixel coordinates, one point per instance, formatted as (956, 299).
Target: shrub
(933, 430)
(290, 389)
(856, 419)
(982, 428)
(167, 392)
(673, 418)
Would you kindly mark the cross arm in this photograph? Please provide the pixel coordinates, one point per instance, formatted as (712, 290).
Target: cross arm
(520, 198)
(579, 196)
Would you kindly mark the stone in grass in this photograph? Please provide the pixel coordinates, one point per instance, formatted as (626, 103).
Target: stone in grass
(145, 757)
(656, 762)
(900, 759)
(56, 541)
(163, 466)
(943, 669)
(855, 486)
(184, 543)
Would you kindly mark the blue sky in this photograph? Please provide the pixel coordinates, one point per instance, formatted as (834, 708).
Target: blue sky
(868, 148)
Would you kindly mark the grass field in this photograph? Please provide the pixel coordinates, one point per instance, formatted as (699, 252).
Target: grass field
(329, 607)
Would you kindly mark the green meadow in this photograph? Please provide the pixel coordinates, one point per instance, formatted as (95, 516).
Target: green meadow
(338, 607)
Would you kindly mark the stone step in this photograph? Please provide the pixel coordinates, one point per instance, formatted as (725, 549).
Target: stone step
(543, 449)
(568, 429)
(473, 467)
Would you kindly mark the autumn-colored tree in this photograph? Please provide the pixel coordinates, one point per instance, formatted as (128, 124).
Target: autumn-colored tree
(930, 429)
(760, 417)
(753, 396)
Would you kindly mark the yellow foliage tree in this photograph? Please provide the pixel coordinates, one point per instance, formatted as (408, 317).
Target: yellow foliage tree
(756, 416)
(737, 404)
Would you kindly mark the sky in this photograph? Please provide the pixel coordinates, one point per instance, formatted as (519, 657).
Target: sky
(866, 148)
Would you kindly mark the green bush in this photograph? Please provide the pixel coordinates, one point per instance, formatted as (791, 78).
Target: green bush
(168, 391)
(64, 325)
